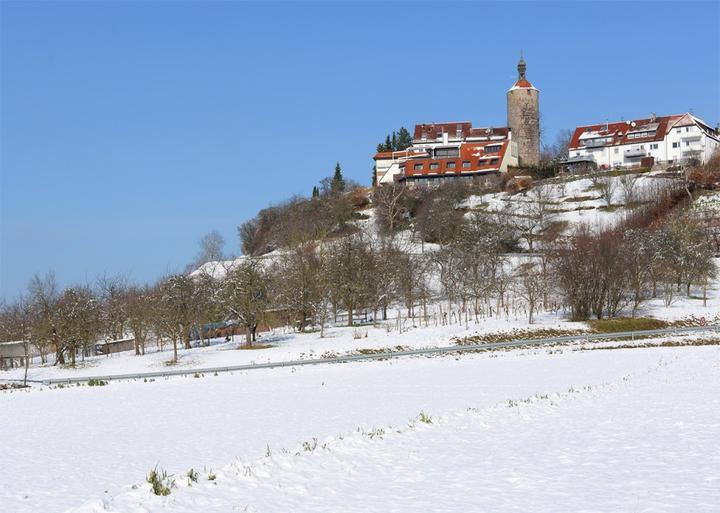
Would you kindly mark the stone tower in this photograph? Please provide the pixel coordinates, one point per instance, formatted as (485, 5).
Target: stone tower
(523, 117)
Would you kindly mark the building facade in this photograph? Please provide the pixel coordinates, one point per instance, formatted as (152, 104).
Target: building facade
(672, 139)
(457, 150)
(448, 151)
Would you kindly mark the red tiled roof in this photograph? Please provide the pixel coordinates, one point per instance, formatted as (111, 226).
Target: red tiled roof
(618, 131)
(523, 83)
(474, 153)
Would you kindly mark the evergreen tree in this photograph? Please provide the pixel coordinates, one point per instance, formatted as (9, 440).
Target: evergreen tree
(315, 192)
(338, 182)
(388, 144)
(404, 139)
(374, 176)
(393, 142)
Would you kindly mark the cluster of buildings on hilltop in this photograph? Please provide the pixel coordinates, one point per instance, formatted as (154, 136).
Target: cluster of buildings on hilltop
(644, 142)
(457, 150)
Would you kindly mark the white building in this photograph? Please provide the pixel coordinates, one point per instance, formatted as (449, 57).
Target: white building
(643, 142)
(448, 151)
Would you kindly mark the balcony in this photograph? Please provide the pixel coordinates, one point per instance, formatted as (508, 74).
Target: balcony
(635, 153)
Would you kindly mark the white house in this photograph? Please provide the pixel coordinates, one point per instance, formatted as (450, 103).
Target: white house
(658, 139)
(448, 151)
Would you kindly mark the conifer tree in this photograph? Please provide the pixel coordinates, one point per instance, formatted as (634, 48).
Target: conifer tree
(338, 182)
(315, 192)
(404, 139)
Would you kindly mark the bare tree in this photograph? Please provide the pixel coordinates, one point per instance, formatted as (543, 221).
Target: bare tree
(606, 185)
(43, 295)
(299, 282)
(537, 216)
(212, 246)
(350, 266)
(389, 206)
(179, 308)
(112, 291)
(78, 321)
(530, 286)
(629, 185)
(245, 296)
(138, 307)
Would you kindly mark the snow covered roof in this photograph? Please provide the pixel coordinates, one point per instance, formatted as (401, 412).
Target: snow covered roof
(523, 84)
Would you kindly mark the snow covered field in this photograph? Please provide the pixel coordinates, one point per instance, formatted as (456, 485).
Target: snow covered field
(641, 438)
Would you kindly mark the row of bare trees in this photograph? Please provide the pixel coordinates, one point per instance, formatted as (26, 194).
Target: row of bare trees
(323, 275)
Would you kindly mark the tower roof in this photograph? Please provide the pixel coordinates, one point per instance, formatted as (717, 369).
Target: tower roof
(522, 82)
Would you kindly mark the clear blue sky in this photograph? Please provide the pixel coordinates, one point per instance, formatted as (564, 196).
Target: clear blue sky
(130, 129)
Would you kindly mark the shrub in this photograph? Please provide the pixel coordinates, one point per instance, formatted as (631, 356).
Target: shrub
(97, 383)
(425, 418)
(160, 481)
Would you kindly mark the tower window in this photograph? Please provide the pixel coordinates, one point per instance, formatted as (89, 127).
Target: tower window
(466, 164)
(451, 165)
(434, 165)
(418, 167)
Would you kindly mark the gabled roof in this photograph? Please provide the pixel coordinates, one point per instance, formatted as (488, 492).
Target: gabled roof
(623, 132)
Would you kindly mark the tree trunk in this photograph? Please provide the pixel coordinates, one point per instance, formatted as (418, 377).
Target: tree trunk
(248, 335)
(175, 357)
(27, 355)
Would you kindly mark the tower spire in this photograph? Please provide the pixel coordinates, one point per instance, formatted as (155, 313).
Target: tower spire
(521, 67)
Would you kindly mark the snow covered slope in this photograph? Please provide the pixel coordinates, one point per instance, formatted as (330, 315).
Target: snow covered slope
(66, 446)
(645, 442)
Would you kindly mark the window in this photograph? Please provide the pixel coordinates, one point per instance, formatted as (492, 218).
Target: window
(654, 146)
(417, 167)
(466, 164)
(675, 145)
(494, 161)
(481, 162)
(492, 149)
(447, 152)
(678, 130)
(451, 165)
(687, 128)
(617, 150)
(434, 165)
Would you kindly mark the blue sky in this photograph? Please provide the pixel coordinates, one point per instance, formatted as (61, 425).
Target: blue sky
(130, 129)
